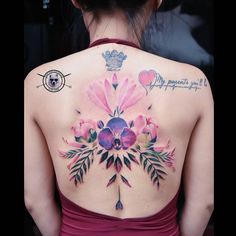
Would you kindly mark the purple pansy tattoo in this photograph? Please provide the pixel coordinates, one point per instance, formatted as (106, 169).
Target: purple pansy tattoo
(117, 142)
(116, 135)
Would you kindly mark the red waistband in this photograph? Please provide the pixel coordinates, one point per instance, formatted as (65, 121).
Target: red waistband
(77, 220)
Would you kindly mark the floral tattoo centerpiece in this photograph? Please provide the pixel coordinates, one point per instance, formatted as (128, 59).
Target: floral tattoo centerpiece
(115, 141)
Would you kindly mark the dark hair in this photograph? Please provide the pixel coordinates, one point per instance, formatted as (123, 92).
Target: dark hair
(133, 9)
(95, 5)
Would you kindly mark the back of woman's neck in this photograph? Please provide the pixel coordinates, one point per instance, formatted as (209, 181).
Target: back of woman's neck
(112, 27)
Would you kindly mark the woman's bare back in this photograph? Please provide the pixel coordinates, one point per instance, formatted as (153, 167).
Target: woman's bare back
(119, 129)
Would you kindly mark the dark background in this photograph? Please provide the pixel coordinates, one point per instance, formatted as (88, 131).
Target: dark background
(181, 30)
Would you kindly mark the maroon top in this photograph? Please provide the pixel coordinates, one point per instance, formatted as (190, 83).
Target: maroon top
(78, 221)
(118, 41)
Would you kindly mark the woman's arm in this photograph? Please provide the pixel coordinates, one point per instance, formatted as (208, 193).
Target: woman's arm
(198, 172)
(39, 177)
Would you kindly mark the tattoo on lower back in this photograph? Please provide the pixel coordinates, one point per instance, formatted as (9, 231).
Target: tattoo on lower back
(117, 142)
(119, 205)
(152, 79)
(114, 60)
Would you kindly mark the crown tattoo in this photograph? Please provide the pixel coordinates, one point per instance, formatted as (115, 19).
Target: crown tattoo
(114, 60)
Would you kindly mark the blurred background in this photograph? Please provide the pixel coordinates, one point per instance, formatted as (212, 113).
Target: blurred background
(182, 30)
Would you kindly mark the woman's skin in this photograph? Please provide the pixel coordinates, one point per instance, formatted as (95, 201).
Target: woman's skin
(183, 114)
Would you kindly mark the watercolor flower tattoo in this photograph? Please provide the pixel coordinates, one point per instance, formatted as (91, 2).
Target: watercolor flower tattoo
(115, 141)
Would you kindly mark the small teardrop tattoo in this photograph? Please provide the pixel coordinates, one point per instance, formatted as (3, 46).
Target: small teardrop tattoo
(119, 205)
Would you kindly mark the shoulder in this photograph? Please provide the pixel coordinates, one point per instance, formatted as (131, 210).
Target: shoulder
(182, 71)
(63, 65)
(57, 65)
(39, 84)
(187, 81)
(179, 68)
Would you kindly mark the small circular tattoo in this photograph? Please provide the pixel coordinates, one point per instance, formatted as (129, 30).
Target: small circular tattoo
(53, 81)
